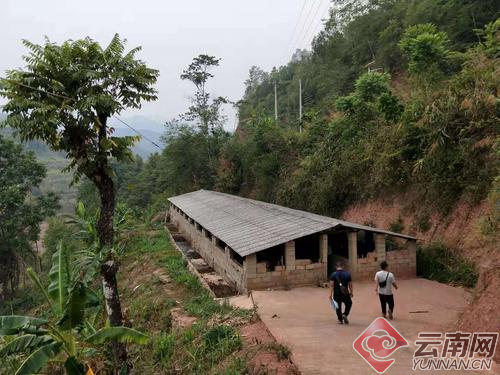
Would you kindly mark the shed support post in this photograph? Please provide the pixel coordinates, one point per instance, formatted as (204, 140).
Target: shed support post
(323, 248)
(250, 265)
(290, 255)
(352, 238)
(380, 246)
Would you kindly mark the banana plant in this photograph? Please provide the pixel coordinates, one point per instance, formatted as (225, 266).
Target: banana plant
(90, 259)
(60, 339)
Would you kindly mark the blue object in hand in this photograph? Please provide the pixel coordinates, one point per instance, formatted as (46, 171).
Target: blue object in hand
(334, 304)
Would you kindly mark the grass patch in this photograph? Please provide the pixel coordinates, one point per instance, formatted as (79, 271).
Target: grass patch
(199, 302)
(207, 346)
(438, 262)
(199, 349)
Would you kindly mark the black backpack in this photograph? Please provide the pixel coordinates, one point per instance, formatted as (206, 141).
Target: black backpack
(383, 284)
(343, 289)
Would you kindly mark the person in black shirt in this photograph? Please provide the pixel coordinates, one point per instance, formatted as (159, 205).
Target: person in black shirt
(342, 292)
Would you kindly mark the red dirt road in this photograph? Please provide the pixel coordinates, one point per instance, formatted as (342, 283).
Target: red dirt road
(303, 320)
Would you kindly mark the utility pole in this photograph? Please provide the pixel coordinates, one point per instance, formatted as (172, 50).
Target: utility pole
(275, 102)
(300, 104)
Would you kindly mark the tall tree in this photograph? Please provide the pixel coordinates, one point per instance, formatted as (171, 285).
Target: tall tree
(20, 213)
(64, 96)
(255, 77)
(205, 112)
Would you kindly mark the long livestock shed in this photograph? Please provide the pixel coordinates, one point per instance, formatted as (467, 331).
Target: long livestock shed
(257, 245)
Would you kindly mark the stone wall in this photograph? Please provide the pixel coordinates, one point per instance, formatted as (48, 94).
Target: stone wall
(217, 258)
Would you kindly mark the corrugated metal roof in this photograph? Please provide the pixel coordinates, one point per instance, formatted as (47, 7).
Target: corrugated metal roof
(249, 226)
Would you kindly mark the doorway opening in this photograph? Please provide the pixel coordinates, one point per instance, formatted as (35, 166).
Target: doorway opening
(338, 250)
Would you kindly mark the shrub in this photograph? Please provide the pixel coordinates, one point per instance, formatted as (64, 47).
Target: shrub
(397, 226)
(22, 302)
(423, 223)
(426, 49)
(437, 262)
(58, 230)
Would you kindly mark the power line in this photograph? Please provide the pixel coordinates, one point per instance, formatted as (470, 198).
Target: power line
(294, 30)
(318, 25)
(275, 102)
(304, 24)
(72, 99)
(138, 132)
(310, 24)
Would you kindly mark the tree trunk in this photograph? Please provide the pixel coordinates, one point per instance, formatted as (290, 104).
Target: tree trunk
(109, 268)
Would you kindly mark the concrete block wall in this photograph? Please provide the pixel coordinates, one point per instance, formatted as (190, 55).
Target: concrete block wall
(216, 257)
(311, 274)
(253, 275)
(402, 262)
(295, 272)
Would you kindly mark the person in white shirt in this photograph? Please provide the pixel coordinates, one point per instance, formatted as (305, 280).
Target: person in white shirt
(384, 281)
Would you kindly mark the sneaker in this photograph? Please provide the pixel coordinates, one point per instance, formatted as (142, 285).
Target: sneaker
(384, 316)
(390, 315)
(346, 321)
(340, 322)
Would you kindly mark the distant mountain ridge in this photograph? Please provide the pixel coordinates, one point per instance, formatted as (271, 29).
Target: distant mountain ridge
(139, 122)
(144, 148)
(55, 162)
(149, 130)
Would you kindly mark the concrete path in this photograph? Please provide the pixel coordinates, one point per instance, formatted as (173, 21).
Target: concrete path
(303, 319)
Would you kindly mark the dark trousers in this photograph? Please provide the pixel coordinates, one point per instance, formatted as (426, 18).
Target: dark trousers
(342, 299)
(386, 300)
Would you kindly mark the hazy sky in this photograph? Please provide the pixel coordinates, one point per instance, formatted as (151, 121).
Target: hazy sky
(242, 33)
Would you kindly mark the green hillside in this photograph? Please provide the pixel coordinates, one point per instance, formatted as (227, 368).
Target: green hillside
(424, 116)
(56, 181)
(59, 182)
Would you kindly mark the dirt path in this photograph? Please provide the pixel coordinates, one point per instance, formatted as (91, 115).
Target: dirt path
(303, 319)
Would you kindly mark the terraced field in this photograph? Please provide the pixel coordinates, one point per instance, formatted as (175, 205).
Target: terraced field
(59, 182)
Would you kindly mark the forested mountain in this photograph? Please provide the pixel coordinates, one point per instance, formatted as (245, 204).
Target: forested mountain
(360, 35)
(55, 180)
(423, 115)
(400, 130)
